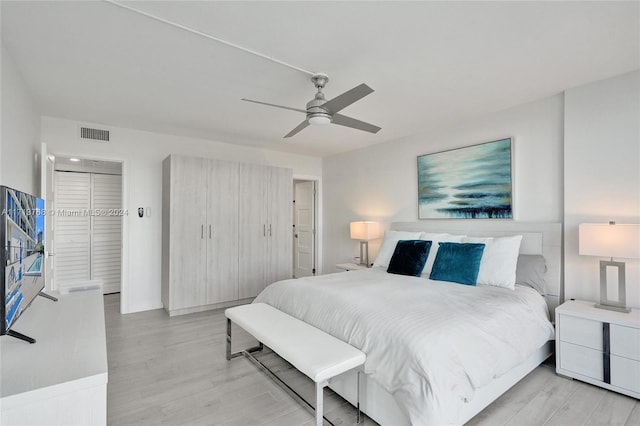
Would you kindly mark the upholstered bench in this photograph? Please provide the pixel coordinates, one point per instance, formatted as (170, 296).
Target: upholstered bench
(313, 352)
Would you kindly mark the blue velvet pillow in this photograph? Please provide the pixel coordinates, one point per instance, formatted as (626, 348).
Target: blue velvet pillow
(457, 262)
(409, 257)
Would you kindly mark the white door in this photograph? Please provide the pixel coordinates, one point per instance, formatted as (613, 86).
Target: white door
(88, 230)
(72, 229)
(304, 229)
(47, 176)
(106, 230)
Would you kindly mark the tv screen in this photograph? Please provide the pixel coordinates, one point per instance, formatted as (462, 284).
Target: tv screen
(22, 253)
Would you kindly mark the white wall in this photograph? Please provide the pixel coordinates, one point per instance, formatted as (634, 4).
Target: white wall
(602, 174)
(380, 183)
(20, 135)
(142, 153)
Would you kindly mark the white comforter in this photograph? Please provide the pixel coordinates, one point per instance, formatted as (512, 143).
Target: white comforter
(428, 343)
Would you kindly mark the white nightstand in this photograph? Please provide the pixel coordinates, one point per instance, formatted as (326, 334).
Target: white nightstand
(598, 346)
(341, 267)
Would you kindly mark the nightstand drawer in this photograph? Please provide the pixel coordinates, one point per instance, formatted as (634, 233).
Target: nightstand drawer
(581, 331)
(581, 360)
(625, 373)
(625, 341)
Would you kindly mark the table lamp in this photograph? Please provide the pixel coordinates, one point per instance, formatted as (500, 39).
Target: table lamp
(610, 240)
(364, 231)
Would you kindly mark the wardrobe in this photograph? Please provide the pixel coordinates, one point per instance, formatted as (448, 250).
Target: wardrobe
(227, 231)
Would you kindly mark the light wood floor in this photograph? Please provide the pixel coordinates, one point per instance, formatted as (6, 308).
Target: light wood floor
(173, 371)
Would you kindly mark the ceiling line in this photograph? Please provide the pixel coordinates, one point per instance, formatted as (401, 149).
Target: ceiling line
(208, 36)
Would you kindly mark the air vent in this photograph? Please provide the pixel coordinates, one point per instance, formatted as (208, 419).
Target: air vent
(99, 135)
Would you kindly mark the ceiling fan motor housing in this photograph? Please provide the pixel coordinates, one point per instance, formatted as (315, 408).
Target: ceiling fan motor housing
(315, 110)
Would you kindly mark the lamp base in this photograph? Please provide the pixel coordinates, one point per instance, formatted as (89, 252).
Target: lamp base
(364, 253)
(620, 304)
(612, 308)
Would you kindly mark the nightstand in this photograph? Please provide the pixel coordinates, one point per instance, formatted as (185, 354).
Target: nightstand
(598, 346)
(341, 267)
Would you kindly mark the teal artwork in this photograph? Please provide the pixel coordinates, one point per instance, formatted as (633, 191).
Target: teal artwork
(466, 183)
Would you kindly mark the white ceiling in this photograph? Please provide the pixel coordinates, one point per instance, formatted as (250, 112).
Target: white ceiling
(430, 63)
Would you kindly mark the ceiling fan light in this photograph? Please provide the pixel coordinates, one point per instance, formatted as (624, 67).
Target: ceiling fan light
(319, 120)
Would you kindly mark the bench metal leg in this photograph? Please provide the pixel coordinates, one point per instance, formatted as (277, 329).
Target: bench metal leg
(359, 418)
(240, 353)
(319, 402)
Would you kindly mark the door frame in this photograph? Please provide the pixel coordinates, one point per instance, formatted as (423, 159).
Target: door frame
(318, 218)
(124, 260)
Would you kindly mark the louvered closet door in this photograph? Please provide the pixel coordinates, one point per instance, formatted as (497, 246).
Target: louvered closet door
(106, 201)
(72, 228)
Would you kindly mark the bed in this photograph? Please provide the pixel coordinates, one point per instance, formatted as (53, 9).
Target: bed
(437, 352)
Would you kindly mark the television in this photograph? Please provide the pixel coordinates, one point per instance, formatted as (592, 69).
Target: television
(22, 255)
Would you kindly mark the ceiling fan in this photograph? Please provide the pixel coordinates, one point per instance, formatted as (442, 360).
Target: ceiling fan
(321, 111)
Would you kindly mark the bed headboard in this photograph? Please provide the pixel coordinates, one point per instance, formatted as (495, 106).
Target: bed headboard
(543, 238)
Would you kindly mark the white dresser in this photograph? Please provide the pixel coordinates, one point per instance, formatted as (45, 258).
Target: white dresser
(62, 378)
(598, 346)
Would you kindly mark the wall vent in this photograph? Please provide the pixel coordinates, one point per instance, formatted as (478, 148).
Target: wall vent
(99, 135)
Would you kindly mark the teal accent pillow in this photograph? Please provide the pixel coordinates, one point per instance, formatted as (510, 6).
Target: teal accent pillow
(457, 262)
(409, 257)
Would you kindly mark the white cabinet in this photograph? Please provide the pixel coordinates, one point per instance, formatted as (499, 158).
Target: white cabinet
(266, 209)
(62, 378)
(226, 231)
(598, 346)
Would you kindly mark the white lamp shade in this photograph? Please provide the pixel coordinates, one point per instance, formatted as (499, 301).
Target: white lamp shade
(364, 230)
(609, 240)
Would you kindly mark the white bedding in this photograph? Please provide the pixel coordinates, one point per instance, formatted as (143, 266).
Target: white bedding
(428, 343)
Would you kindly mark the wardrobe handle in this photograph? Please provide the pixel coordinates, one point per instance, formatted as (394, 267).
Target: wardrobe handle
(269, 229)
(201, 231)
(209, 231)
(264, 230)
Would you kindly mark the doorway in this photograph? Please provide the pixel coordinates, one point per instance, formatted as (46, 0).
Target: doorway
(304, 228)
(88, 224)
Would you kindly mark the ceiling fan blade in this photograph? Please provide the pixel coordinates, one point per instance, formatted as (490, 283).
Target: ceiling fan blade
(347, 98)
(274, 105)
(343, 120)
(300, 126)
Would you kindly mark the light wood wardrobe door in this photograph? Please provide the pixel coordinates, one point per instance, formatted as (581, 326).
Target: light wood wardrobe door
(222, 232)
(280, 235)
(188, 246)
(253, 229)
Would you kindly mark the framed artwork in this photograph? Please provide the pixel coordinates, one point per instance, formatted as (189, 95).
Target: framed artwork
(466, 183)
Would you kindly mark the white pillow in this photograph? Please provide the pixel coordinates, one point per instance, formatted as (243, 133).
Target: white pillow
(435, 239)
(389, 243)
(499, 260)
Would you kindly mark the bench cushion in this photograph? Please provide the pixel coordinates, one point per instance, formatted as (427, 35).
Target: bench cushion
(315, 353)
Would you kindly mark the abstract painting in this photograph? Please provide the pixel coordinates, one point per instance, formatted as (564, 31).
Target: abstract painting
(466, 183)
